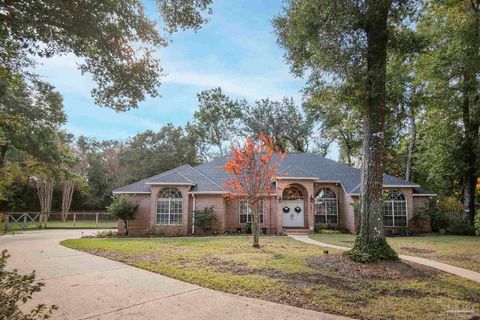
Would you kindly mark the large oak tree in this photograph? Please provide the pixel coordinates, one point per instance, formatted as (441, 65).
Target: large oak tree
(347, 41)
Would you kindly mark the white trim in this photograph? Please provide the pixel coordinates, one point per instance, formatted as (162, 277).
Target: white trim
(327, 181)
(424, 195)
(169, 210)
(193, 214)
(130, 192)
(170, 183)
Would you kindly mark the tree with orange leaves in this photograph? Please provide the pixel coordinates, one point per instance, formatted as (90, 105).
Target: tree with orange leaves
(253, 167)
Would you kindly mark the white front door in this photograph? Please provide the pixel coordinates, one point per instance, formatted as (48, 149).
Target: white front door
(293, 213)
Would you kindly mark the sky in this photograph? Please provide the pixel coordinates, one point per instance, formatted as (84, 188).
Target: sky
(235, 50)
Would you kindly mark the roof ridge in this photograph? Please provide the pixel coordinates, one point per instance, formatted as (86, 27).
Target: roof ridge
(176, 172)
(166, 172)
(299, 168)
(210, 179)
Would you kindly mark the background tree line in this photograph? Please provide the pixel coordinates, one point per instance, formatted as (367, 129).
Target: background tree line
(432, 98)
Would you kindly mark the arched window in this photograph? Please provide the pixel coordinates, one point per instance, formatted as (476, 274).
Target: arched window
(394, 209)
(292, 193)
(169, 207)
(326, 206)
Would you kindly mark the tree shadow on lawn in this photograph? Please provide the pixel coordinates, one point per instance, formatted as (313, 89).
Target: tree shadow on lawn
(330, 282)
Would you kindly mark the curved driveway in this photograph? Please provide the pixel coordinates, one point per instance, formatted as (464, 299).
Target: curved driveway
(85, 286)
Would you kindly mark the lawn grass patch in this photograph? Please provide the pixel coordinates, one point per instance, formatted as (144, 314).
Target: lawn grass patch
(290, 272)
(460, 251)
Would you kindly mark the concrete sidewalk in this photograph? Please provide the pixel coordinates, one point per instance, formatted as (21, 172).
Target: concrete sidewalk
(85, 286)
(461, 272)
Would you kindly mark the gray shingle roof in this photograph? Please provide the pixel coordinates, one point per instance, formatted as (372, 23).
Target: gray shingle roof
(422, 191)
(210, 177)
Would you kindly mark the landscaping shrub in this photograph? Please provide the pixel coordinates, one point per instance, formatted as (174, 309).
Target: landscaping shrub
(15, 290)
(327, 231)
(319, 227)
(248, 228)
(438, 219)
(205, 219)
(107, 234)
(457, 225)
(122, 208)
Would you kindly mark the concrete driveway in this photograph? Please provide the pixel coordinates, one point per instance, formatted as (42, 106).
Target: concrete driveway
(90, 287)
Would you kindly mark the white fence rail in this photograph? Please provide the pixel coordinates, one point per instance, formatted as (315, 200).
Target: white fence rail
(75, 220)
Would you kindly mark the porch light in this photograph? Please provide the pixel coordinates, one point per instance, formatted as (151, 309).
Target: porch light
(279, 199)
(311, 198)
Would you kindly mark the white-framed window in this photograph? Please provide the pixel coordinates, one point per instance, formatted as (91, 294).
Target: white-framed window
(246, 214)
(326, 206)
(394, 209)
(169, 207)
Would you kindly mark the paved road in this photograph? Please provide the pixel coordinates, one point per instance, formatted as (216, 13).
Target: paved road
(461, 272)
(90, 287)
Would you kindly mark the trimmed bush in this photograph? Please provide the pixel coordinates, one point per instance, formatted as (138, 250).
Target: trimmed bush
(457, 225)
(205, 219)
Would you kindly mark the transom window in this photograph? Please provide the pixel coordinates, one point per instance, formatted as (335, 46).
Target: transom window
(394, 209)
(246, 215)
(292, 193)
(169, 207)
(326, 207)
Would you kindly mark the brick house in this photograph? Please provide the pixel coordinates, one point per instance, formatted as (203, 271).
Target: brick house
(313, 190)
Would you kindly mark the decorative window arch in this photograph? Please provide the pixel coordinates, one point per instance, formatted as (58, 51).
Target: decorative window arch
(292, 192)
(169, 207)
(326, 206)
(394, 209)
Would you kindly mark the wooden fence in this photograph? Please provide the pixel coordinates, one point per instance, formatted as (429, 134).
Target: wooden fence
(75, 220)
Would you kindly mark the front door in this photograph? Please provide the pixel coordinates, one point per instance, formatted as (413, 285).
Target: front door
(293, 213)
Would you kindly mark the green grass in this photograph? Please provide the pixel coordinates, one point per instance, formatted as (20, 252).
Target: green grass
(294, 273)
(460, 251)
(82, 224)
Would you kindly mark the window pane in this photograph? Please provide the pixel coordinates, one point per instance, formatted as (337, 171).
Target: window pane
(246, 214)
(169, 207)
(326, 207)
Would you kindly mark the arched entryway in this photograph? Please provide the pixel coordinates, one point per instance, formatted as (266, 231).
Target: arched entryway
(293, 207)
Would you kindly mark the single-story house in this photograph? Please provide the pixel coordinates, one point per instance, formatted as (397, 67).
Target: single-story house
(312, 189)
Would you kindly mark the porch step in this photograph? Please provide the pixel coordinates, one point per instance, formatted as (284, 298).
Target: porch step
(296, 231)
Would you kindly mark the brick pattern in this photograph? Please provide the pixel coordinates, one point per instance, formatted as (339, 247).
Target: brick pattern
(227, 212)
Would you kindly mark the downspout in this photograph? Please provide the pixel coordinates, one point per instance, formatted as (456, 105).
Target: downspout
(193, 215)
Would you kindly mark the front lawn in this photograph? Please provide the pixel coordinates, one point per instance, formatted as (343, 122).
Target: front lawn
(298, 274)
(460, 251)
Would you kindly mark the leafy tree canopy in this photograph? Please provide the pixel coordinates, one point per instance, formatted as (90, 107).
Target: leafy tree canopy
(115, 40)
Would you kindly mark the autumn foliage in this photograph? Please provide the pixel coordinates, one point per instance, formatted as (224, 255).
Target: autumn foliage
(253, 167)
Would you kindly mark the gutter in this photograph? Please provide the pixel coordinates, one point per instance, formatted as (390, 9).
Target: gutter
(193, 214)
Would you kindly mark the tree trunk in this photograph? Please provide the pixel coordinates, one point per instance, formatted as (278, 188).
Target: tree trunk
(471, 126)
(45, 188)
(370, 244)
(126, 227)
(411, 143)
(255, 223)
(3, 152)
(67, 192)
